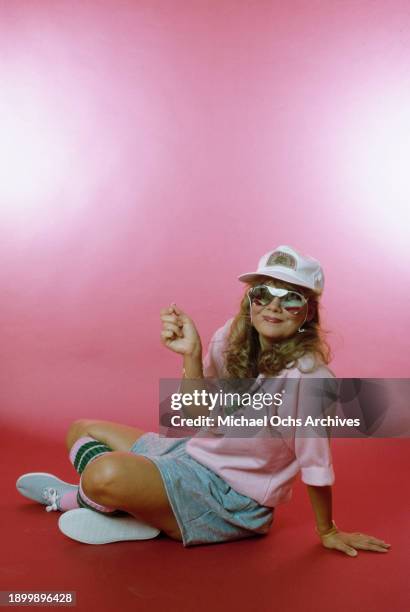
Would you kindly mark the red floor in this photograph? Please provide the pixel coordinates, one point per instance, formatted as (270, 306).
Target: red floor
(286, 570)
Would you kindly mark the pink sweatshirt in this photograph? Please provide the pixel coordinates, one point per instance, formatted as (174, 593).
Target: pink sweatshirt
(264, 467)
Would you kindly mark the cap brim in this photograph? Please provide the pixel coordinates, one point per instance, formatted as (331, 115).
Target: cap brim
(251, 276)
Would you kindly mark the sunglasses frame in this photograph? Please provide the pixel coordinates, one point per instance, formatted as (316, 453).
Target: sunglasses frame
(306, 300)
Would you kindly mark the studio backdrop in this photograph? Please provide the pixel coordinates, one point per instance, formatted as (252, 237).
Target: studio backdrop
(151, 152)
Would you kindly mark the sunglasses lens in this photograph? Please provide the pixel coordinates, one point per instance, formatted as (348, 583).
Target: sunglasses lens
(260, 296)
(292, 302)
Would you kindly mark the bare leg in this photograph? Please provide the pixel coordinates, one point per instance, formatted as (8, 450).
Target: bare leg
(116, 436)
(131, 483)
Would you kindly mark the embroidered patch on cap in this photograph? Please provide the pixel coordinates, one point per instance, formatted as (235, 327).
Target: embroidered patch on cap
(280, 258)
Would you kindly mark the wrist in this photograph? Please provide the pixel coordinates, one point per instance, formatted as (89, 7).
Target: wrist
(192, 365)
(327, 531)
(194, 356)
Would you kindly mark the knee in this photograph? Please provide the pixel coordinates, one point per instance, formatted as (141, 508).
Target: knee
(76, 430)
(101, 475)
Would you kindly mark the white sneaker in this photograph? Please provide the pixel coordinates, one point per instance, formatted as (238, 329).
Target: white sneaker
(43, 488)
(92, 527)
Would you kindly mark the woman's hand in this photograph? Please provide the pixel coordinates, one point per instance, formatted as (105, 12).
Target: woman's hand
(179, 332)
(349, 542)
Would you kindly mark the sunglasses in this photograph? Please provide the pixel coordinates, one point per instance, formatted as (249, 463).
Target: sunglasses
(291, 301)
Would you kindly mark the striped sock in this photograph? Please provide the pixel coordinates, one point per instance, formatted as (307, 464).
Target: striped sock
(85, 450)
(82, 453)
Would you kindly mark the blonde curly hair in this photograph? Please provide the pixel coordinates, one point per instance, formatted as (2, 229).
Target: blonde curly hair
(244, 357)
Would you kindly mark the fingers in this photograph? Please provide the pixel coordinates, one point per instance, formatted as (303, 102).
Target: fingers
(168, 311)
(176, 329)
(348, 550)
(378, 542)
(366, 542)
(171, 309)
(177, 310)
(349, 542)
(171, 318)
(374, 547)
(171, 321)
(363, 546)
(339, 544)
(167, 334)
(368, 545)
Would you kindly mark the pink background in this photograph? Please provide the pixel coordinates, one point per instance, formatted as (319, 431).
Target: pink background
(152, 151)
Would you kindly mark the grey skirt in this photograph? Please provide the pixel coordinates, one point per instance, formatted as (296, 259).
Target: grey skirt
(206, 507)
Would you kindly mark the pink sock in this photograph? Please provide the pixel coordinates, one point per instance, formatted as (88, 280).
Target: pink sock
(86, 502)
(69, 501)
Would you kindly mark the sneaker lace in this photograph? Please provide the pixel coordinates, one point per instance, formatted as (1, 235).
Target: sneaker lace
(51, 496)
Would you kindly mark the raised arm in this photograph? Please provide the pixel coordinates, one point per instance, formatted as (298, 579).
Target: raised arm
(180, 335)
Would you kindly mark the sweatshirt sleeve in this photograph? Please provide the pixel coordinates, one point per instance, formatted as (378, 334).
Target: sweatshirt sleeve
(213, 363)
(312, 445)
(209, 365)
(315, 461)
